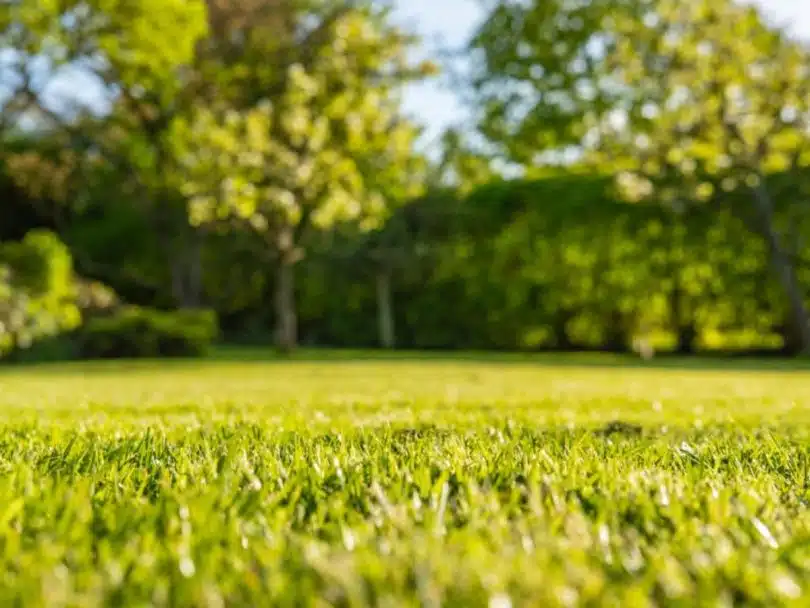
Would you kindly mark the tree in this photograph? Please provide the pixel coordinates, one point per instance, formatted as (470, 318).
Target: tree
(137, 56)
(134, 48)
(689, 101)
(217, 49)
(538, 74)
(325, 145)
(717, 103)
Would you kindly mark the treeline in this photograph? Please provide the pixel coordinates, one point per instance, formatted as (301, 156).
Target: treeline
(248, 173)
(559, 262)
(553, 263)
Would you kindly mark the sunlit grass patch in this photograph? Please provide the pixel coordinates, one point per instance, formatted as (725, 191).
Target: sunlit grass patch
(387, 482)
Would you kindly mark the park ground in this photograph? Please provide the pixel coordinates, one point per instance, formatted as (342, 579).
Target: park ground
(351, 479)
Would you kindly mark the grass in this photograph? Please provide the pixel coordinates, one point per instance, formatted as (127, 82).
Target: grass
(482, 481)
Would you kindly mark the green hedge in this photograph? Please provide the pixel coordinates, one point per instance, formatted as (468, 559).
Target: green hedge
(562, 263)
(146, 333)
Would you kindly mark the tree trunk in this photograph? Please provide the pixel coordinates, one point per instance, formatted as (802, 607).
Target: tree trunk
(798, 324)
(562, 341)
(195, 272)
(685, 332)
(785, 270)
(616, 338)
(187, 273)
(286, 317)
(178, 287)
(385, 312)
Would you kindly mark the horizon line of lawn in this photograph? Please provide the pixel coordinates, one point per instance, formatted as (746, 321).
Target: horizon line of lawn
(230, 353)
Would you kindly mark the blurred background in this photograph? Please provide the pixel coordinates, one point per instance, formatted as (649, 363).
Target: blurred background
(556, 175)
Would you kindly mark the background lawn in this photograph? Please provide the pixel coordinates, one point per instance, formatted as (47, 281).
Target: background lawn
(344, 479)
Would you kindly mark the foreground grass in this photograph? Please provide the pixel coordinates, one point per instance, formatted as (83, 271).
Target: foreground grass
(476, 482)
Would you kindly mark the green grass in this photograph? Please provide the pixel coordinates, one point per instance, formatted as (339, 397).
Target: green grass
(478, 481)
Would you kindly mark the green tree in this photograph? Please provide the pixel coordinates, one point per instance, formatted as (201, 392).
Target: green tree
(138, 55)
(538, 73)
(689, 101)
(717, 104)
(327, 144)
(206, 49)
(134, 47)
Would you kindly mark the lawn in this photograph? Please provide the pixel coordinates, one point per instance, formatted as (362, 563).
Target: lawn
(351, 480)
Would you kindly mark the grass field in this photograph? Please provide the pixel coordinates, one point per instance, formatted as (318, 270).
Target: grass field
(350, 481)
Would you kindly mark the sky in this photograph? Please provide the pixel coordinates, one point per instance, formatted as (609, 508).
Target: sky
(453, 20)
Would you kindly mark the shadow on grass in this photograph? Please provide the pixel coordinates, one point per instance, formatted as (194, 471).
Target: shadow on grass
(551, 359)
(268, 356)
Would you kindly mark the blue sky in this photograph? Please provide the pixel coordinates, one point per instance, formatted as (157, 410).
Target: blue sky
(454, 19)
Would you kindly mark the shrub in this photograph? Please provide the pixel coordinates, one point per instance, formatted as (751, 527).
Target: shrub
(92, 299)
(134, 332)
(37, 291)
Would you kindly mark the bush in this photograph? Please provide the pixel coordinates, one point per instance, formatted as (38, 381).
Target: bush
(92, 299)
(37, 291)
(134, 332)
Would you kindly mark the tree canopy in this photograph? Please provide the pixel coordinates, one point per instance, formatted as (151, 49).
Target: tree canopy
(255, 157)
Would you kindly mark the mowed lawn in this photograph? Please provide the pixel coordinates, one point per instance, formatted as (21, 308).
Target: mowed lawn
(349, 480)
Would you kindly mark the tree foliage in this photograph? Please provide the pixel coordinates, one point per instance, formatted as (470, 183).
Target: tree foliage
(253, 156)
(37, 290)
(539, 74)
(688, 101)
(328, 145)
(135, 47)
